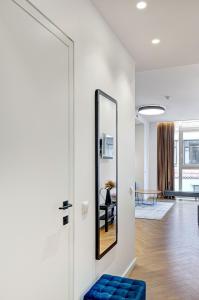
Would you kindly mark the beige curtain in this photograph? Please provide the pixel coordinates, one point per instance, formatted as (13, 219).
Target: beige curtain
(165, 156)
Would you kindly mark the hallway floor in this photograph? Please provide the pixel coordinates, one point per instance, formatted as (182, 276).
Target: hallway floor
(168, 254)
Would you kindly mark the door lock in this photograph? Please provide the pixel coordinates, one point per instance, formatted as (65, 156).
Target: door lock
(66, 205)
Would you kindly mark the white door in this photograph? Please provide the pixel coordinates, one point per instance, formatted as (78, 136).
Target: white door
(35, 156)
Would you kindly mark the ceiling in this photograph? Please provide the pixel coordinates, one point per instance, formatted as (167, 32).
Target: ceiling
(174, 22)
(181, 83)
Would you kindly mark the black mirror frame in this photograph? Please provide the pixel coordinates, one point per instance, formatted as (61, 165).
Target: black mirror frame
(99, 92)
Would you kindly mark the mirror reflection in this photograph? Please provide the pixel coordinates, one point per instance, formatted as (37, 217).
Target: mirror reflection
(107, 173)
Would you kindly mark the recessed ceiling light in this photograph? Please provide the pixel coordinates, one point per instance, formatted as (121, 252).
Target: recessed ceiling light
(155, 41)
(151, 110)
(141, 5)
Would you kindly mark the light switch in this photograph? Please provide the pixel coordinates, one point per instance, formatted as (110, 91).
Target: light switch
(85, 205)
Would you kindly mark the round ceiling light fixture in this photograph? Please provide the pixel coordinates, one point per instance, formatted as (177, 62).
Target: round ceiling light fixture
(141, 5)
(151, 110)
(155, 41)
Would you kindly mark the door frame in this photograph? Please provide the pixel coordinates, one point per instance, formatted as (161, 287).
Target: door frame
(44, 21)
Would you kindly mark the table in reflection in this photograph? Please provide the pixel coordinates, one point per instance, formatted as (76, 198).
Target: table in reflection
(109, 214)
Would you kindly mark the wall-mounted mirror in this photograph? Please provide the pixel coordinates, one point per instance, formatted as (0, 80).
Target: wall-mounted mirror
(106, 172)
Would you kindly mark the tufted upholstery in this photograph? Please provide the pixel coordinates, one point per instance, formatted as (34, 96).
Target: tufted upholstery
(117, 288)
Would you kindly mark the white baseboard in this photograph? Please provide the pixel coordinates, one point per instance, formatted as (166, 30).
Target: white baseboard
(130, 268)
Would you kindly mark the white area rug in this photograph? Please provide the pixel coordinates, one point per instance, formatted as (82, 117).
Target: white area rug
(153, 212)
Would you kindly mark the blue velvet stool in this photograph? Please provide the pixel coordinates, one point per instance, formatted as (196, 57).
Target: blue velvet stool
(117, 288)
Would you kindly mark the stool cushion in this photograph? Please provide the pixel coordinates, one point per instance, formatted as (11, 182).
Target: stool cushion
(117, 288)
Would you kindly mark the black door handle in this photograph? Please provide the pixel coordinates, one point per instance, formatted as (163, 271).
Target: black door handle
(66, 205)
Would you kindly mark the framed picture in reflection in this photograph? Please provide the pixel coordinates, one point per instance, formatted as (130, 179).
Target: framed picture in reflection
(107, 146)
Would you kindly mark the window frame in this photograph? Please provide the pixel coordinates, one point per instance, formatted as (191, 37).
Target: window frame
(189, 147)
(181, 148)
(183, 166)
(175, 160)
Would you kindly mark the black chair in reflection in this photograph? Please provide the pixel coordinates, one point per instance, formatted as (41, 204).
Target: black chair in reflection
(109, 215)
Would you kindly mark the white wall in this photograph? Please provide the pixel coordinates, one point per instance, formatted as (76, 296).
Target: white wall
(146, 146)
(139, 155)
(100, 62)
(153, 156)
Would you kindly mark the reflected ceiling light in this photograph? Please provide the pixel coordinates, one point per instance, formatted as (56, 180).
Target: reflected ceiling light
(155, 41)
(151, 110)
(141, 5)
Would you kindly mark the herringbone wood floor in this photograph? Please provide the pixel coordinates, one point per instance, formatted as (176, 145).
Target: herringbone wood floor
(168, 254)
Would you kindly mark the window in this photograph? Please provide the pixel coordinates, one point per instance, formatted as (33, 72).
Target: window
(186, 156)
(191, 152)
